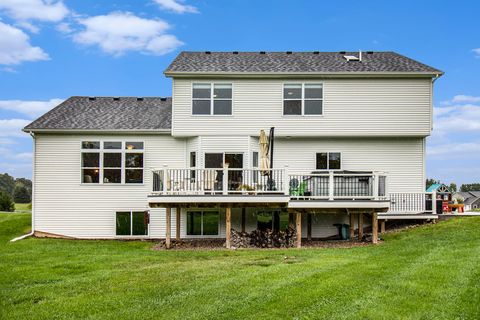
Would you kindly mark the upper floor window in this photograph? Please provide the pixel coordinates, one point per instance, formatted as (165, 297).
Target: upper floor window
(329, 160)
(112, 162)
(212, 99)
(303, 99)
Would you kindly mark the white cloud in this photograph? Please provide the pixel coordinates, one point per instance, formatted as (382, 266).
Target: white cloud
(30, 108)
(119, 32)
(455, 149)
(41, 10)
(465, 98)
(176, 6)
(15, 47)
(476, 52)
(12, 127)
(457, 118)
(64, 27)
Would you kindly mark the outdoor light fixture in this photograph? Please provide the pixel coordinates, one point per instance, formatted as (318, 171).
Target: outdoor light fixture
(130, 147)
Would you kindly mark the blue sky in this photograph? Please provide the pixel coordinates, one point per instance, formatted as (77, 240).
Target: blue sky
(50, 50)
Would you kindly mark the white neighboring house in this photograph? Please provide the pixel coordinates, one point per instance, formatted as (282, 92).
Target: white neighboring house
(349, 143)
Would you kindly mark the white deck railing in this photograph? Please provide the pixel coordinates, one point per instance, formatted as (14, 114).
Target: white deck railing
(408, 203)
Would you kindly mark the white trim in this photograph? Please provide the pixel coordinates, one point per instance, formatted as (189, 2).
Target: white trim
(278, 198)
(328, 204)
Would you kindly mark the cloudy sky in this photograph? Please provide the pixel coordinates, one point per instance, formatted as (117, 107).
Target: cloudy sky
(51, 49)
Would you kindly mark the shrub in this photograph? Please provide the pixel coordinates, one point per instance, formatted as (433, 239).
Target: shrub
(6, 202)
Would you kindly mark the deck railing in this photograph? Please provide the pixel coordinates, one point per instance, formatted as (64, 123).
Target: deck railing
(408, 203)
(328, 185)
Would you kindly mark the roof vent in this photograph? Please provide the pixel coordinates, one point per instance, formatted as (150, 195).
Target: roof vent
(235, 52)
(163, 99)
(116, 98)
(207, 52)
(369, 52)
(92, 98)
(343, 52)
(140, 99)
(289, 52)
(354, 58)
(262, 52)
(316, 52)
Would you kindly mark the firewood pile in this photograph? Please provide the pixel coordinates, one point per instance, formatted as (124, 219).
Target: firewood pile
(263, 239)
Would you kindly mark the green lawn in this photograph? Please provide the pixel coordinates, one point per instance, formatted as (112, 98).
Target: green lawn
(21, 208)
(432, 272)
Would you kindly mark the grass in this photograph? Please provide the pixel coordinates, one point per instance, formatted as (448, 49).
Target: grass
(21, 208)
(431, 272)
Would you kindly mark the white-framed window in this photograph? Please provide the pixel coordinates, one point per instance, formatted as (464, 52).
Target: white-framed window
(203, 223)
(328, 161)
(302, 99)
(212, 99)
(112, 162)
(132, 223)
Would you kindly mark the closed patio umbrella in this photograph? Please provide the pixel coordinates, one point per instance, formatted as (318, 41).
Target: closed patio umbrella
(264, 161)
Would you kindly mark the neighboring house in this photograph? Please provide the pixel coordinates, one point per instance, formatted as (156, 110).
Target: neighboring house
(350, 132)
(471, 199)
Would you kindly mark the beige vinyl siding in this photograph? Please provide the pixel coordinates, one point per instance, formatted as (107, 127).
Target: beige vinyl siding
(352, 107)
(65, 206)
(402, 158)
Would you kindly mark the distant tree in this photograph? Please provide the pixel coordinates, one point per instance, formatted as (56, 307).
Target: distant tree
(453, 187)
(429, 182)
(7, 183)
(470, 187)
(6, 202)
(27, 183)
(21, 194)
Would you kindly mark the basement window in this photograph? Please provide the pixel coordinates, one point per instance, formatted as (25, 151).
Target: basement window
(132, 223)
(202, 223)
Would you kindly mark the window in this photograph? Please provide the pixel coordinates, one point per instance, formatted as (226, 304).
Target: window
(202, 223)
(112, 162)
(329, 160)
(303, 99)
(255, 159)
(212, 99)
(132, 223)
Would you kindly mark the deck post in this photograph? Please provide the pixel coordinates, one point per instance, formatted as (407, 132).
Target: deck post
(298, 228)
(352, 225)
(177, 221)
(244, 218)
(331, 187)
(360, 226)
(228, 229)
(309, 226)
(374, 228)
(382, 226)
(168, 231)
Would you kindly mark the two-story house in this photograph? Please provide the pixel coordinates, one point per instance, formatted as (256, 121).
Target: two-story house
(348, 148)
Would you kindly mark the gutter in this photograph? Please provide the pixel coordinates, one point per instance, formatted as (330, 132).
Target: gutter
(31, 233)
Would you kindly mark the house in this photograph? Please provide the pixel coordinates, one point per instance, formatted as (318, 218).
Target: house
(349, 148)
(471, 199)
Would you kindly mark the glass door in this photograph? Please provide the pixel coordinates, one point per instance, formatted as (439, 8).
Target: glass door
(234, 161)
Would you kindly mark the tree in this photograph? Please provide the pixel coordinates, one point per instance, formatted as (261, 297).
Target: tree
(21, 194)
(470, 187)
(7, 183)
(453, 187)
(6, 202)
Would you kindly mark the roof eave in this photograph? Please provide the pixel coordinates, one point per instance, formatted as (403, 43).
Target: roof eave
(99, 131)
(352, 74)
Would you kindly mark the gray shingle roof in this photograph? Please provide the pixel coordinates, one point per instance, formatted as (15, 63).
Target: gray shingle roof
(107, 113)
(295, 62)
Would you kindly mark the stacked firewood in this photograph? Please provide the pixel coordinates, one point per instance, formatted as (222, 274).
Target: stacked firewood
(263, 239)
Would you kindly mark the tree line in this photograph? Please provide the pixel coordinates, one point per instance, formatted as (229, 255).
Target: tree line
(453, 186)
(13, 190)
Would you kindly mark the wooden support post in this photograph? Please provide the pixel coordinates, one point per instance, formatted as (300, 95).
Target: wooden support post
(168, 231)
(177, 221)
(228, 229)
(244, 218)
(382, 226)
(298, 229)
(309, 226)
(360, 226)
(352, 226)
(374, 228)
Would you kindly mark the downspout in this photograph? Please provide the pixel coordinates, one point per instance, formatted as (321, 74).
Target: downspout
(33, 192)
